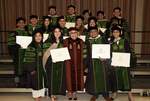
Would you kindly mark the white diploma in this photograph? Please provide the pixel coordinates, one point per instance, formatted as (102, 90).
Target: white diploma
(83, 37)
(60, 54)
(45, 37)
(23, 41)
(70, 24)
(120, 59)
(65, 37)
(102, 29)
(101, 51)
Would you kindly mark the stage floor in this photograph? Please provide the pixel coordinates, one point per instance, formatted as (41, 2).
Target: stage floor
(81, 97)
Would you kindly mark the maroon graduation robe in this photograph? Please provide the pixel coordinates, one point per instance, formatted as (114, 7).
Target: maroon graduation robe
(74, 66)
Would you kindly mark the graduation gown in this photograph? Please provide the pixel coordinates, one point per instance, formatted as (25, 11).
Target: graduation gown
(15, 50)
(30, 28)
(55, 74)
(47, 30)
(83, 31)
(102, 24)
(65, 31)
(70, 18)
(120, 22)
(54, 20)
(35, 73)
(121, 79)
(74, 67)
(96, 82)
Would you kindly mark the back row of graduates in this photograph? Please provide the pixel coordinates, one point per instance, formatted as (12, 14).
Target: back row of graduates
(35, 63)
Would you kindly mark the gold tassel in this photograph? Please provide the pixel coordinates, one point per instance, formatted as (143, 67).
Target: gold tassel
(78, 46)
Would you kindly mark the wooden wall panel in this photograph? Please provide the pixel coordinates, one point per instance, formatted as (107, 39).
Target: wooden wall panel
(15, 8)
(11, 9)
(146, 28)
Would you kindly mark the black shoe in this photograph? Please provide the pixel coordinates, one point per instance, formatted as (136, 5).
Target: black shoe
(70, 98)
(75, 98)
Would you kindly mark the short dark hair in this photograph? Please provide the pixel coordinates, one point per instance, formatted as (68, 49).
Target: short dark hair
(69, 6)
(87, 11)
(55, 27)
(117, 8)
(100, 12)
(116, 27)
(79, 17)
(92, 28)
(19, 19)
(60, 17)
(72, 28)
(92, 18)
(51, 7)
(33, 16)
(46, 17)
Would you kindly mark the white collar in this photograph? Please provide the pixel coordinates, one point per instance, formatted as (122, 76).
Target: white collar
(95, 37)
(117, 39)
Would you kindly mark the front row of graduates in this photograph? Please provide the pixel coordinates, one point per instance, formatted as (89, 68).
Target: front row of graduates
(68, 75)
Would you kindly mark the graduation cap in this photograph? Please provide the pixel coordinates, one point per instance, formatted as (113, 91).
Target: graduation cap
(117, 27)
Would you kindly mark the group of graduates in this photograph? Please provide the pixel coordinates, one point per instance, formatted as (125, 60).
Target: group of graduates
(96, 76)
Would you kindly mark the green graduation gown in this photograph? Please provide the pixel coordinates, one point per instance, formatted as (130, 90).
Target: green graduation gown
(102, 23)
(96, 82)
(70, 18)
(122, 74)
(30, 28)
(35, 73)
(65, 31)
(54, 20)
(16, 52)
(55, 75)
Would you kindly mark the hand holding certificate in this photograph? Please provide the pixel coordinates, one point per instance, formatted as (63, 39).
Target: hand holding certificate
(101, 51)
(60, 54)
(120, 59)
(23, 41)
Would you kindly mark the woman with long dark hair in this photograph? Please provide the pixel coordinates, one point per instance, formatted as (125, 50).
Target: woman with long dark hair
(55, 71)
